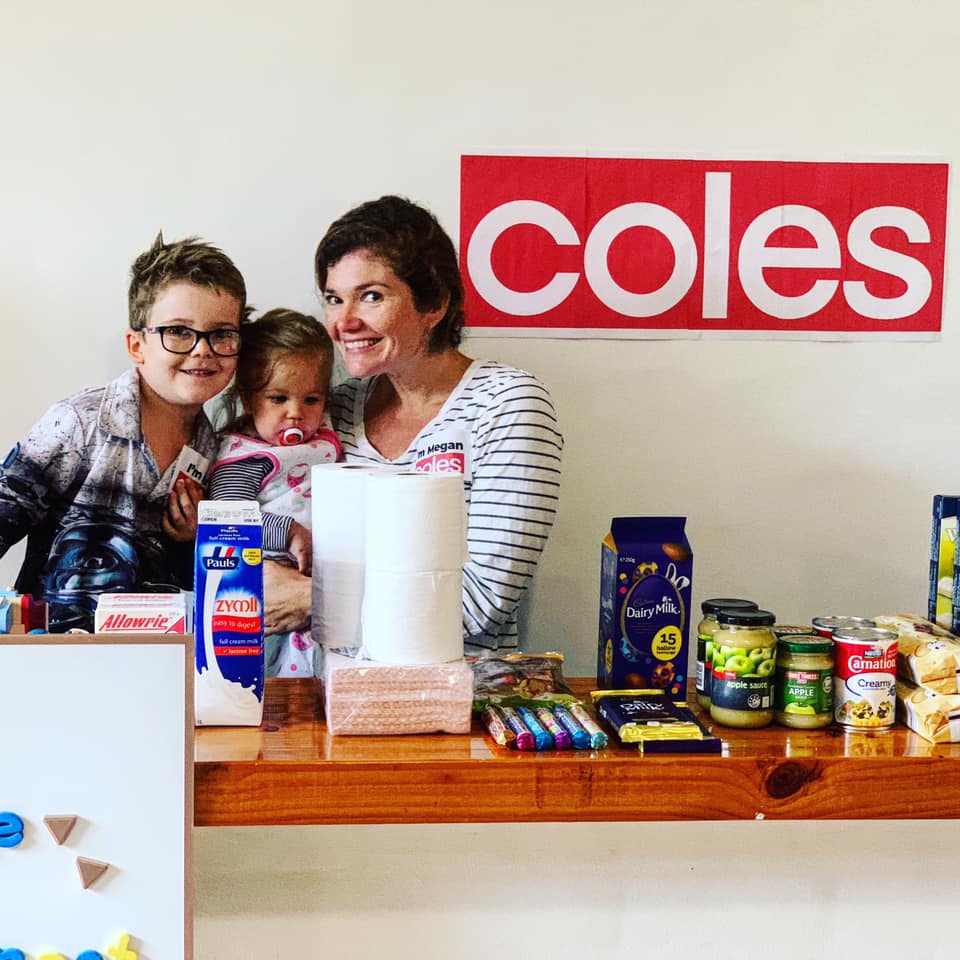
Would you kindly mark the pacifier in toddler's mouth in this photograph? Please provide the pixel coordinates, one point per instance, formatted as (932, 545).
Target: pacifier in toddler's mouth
(291, 437)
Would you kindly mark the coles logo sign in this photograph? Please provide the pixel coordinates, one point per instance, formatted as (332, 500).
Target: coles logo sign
(574, 246)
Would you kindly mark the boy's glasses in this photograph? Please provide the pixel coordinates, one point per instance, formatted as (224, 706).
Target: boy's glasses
(179, 339)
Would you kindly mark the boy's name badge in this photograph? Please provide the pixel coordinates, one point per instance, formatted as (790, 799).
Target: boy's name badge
(444, 452)
(190, 466)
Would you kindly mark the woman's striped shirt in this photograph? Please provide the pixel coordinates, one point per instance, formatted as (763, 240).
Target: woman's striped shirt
(499, 426)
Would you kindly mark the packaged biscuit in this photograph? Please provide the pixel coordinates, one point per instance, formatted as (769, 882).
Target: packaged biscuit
(935, 716)
(926, 654)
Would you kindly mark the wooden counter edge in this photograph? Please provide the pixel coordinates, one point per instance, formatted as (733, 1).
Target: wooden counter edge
(611, 789)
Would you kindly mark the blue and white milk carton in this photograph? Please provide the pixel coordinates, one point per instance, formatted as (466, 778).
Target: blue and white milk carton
(228, 587)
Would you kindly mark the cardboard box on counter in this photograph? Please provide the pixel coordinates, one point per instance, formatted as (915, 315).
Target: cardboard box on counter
(646, 568)
(942, 596)
(144, 613)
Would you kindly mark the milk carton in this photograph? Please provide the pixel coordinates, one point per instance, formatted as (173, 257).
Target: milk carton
(646, 566)
(144, 613)
(228, 586)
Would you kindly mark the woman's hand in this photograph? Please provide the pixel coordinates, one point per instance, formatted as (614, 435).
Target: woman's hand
(287, 596)
(180, 519)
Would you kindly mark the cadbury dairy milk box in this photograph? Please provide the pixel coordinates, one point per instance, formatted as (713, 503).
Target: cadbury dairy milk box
(646, 568)
(228, 589)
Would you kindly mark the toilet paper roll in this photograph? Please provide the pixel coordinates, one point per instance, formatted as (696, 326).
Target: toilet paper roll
(413, 618)
(416, 523)
(338, 495)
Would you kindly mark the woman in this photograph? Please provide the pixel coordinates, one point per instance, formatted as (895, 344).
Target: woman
(394, 307)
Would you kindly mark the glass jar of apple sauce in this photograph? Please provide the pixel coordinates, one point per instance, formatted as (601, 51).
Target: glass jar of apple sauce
(803, 691)
(744, 661)
(707, 627)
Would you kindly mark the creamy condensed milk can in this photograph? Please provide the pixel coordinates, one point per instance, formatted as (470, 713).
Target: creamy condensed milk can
(865, 678)
(827, 626)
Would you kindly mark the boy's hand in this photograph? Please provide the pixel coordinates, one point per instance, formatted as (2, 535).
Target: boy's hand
(180, 520)
(300, 547)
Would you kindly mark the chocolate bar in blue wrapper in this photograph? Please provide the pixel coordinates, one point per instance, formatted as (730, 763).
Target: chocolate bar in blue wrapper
(652, 720)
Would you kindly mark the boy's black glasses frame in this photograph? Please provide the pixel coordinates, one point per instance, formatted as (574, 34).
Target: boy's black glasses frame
(175, 338)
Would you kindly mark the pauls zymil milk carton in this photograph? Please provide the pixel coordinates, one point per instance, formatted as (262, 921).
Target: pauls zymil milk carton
(228, 587)
(646, 569)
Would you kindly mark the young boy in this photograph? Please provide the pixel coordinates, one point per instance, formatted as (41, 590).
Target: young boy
(90, 484)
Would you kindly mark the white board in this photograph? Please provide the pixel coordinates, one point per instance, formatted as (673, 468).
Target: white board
(100, 728)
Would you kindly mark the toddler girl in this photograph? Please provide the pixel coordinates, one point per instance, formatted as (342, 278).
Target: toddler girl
(282, 381)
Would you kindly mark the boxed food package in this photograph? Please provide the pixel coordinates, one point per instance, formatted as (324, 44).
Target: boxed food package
(926, 654)
(646, 568)
(144, 613)
(369, 697)
(21, 613)
(228, 587)
(941, 604)
(935, 716)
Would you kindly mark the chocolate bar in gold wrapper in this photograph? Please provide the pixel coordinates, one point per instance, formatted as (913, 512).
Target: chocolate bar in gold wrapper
(652, 720)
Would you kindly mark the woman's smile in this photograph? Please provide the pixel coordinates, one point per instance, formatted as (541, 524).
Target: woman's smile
(371, 315)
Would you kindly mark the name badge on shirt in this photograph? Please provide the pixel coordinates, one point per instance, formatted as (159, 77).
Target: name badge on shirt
(444, 452)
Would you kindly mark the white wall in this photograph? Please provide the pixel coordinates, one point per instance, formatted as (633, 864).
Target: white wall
(806, 469)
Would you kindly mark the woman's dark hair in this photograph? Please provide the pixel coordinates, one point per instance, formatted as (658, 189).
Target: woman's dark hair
(411, 241)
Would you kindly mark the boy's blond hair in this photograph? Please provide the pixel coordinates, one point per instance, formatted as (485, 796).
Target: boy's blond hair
(190, 260)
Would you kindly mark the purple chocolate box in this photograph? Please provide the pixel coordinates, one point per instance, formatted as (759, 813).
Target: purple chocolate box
(646, 569)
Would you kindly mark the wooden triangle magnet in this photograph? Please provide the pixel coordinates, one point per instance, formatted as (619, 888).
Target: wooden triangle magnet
(90, 871)
(60, 827)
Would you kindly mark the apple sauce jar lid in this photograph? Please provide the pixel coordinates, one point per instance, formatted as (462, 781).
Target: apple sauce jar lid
(746, 618)
(806, 643)
(717, 604)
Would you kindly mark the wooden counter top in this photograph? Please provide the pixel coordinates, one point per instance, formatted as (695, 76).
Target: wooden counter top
(291, 771)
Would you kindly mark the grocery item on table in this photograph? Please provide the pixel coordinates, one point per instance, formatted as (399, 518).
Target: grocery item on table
(525, 738)
(864, 682)
(228, 591)
(743, 663)
(367, 697)
(598, 739)
(541, 736)
(652, 720)
(803, 687)
(935, 716)
(498, 728)
(520, 679)
(144, 613)
(941, 607)
(926, 653)
(561, 739)
(579, 736)
(827, 626)
(707, 627)
(646, 567)
(22, 613)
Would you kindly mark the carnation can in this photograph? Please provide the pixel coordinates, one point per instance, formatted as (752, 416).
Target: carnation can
(865, 679)
(828, 626)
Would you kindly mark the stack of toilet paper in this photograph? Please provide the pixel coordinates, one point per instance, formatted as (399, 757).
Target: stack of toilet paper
(388, 555)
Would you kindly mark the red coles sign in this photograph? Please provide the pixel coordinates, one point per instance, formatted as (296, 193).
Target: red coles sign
(609, 247)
